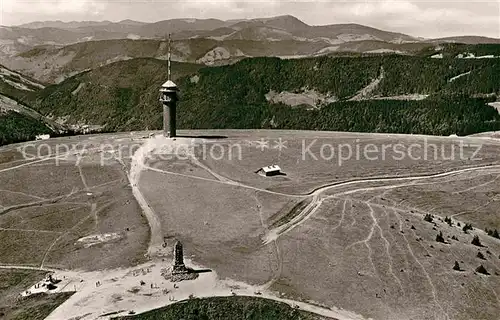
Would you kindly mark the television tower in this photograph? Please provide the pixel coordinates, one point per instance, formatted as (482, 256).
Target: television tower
(168, 98)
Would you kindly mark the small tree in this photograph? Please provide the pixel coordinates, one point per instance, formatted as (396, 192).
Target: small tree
(496, 234)
(467, 227)
(456, 266)
(482, 270)
(448, 221)
(480, 255)
(440, 238)
(475, 241)
(428, 217)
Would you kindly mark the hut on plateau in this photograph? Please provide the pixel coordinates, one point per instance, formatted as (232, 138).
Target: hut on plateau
(272, 170)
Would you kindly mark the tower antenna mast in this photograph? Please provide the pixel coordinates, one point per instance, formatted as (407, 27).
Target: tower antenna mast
(169, 57)
(168, 98)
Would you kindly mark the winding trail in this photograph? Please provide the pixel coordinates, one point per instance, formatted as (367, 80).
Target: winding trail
(21, 267)
(137, 165)
(309, 211)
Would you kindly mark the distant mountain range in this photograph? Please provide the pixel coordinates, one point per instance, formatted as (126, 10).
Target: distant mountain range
(270, 29)
(76, 24)
(16, 39)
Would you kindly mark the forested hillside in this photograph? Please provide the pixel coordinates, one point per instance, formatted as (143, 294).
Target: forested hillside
(18, 87)
(124, 95)
(15, 127)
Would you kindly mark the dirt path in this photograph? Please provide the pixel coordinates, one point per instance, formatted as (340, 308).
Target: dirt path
(20, 267)
(365, 93)
(120, 290)
(136, 167)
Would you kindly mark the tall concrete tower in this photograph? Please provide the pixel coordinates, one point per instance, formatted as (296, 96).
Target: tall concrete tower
(178, 258)
(168, 98)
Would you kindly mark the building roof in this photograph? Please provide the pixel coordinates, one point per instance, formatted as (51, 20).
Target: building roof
(169, 84)
(273, 167)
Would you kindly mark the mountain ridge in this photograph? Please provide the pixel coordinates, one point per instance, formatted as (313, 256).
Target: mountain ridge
(305, 94)
(17, 39)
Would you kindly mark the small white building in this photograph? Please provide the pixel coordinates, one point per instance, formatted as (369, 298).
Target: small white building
(42, 137)
(271, 170)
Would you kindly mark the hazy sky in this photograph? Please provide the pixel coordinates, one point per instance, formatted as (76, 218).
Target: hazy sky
(417, 17)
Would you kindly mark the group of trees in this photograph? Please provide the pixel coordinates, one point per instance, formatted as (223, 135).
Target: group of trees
(437, 116)
(467, 227)
(492, 232)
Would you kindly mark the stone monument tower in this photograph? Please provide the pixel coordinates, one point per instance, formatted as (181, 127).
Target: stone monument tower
(179, 266)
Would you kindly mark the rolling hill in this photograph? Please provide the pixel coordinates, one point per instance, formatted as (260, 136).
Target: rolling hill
(288, 24)
(18, 122)
(18, 86)
(52, 64)
(51, 51)
(18, 39)
(467, 40)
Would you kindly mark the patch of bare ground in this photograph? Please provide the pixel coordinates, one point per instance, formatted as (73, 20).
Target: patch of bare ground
(472, 198)
(227, 226)
(57, 180)
(180, 166)
(49, 217)
(97, 175)
(24, 247)
(288, 212)
(56, 202)
(367, 257)
(10, 198)
(10, 155)
(114, 212)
